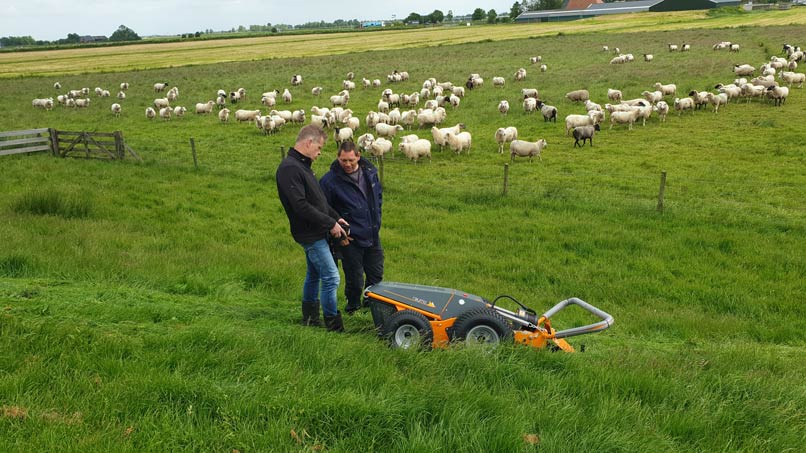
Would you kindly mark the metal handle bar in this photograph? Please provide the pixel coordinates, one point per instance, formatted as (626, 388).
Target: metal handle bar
(606, 321)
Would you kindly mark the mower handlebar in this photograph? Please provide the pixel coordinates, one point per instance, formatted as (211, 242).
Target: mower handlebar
(606, 321)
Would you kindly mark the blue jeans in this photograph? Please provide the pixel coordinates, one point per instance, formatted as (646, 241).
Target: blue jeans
(321, 268)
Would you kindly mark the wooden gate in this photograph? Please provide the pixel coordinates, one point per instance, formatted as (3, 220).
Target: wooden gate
(27, 141)
(105, 145)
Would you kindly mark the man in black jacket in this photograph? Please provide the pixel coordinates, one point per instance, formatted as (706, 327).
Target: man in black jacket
(352, 188)
(312, 219)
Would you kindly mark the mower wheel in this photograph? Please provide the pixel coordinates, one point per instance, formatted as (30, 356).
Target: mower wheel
(482, 326)
(408, 329)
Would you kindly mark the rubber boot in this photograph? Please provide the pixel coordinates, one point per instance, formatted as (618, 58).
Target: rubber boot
(334, 323)
(310, 314)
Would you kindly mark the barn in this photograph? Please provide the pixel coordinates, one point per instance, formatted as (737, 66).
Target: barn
(583, 9)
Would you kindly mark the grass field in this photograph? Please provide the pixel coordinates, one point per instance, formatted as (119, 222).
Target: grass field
(151, 306)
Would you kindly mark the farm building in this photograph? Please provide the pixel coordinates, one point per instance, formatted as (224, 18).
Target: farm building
(582, 9)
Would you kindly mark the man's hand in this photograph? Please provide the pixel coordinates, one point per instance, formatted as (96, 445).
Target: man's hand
(337, 231)
(346, 241)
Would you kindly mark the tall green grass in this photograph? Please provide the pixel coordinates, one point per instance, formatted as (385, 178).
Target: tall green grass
(166, 316)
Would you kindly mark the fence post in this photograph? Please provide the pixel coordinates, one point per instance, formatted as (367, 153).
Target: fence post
(662, 190)
(282, 153)
(506, 179)
(54, 141)
(119, 145)
(193, 150)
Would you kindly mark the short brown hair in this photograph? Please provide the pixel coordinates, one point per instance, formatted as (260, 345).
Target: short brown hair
(346, 147)
(312, 132)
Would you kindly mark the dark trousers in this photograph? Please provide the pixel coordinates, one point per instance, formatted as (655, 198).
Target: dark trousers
(356, 262)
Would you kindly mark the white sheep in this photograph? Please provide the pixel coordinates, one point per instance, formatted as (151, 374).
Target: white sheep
(662, 108)
(296, 80)
(653, 97)
(411, 138)
(614, 95)
(522, 148)
(316, 91)
(628, 117)
(246, 115)
(124, 86)
(459, 142)
(717, 100)
(121, 95)
(205, 107)
(503, 107)
(590, 105)
(793, 77)
(731, 90)
(161, 103)
(284, 114)
(536, 59)
(342, 134)
(57, 86)
(529, 105)
(179, 111)
(287, 96)
(364, 141)
(778, 94)
(667, 90)
(353, 123)
(520, 75)
(45, 104)
(380, 146)
(685, 48)
(408, 117)
(499, 82)
(620, 59)
(578, 96)
(543, 68)
(682, 104)
(150, 113)
(673, 47)
(386, 130)
(298, 116)
(440, 135)
(743, 70)
(648, 57)
(529, 93)
(223, 115)
(504, 135)
(433, 117)
(165, 113)
(572, 121)
(454, 101)
(158, 87)
(417, 149)
(82, 103)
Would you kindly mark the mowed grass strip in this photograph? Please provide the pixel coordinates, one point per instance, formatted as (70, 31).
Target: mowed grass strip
(165, 55)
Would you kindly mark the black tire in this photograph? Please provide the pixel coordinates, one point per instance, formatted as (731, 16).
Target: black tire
(408, 329)
(482, 327)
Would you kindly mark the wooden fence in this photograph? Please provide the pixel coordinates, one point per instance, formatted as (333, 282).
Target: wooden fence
(108, 145)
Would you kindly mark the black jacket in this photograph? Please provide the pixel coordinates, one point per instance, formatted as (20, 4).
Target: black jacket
(310, 216)
(363, 213)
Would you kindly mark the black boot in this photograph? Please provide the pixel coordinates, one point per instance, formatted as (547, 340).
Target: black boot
(334, 323)
(310, 314)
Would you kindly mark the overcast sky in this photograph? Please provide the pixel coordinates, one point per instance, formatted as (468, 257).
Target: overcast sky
(54, 19)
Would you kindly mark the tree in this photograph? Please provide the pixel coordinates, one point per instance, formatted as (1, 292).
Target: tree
(436, 17)
(478, 14)
(515, 11)
(413, 17)
(124, 33)
(449, 16)
(537, 5)
(491, 16)
(11, 41)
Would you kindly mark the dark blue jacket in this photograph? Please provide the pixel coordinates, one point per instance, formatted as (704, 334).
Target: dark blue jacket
(362, 213)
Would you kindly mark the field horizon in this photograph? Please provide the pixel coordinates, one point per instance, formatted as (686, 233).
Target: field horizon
(151, 306)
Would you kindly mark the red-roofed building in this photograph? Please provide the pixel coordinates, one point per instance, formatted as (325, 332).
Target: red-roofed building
(580, 4)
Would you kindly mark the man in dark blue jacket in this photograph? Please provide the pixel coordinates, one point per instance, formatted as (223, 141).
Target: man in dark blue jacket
(352, 188)
(312, 219)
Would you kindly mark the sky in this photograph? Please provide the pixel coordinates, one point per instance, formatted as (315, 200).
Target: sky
(53, 19)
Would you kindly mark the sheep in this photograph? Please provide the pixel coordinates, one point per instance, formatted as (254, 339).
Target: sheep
(380, 146)
(590, 105)
(685, 48)
(700, 98)
(433, 117)
(778, 94)
(296, 80)
(339, 100)
(62, 98)
(716, 100)
(584, 133)
(316, 91)
(124, 86)
(683, 104)
(416, 150)
(205, 107)
(121, 95)
(605, 49)
(440, 135)
(644, 112)
(743, 70)
(504, 135)
(278, 121)
(793, 77)
(653, 97)
(628, 117)
(159, 87)
(578, 96)
(766, 81)
(322, 121)
(543, 68)
(75, 93)
(614, 95)
(82, 103)
(734, 48)
(171, 95)
(474, 81)
(458, 91)
(287, 95)
(673, 47)
(750, 91)
(499, 82)
(616, 50)
(721, 45)
(620, 59)
(348, 84)
(667, 90)
(376, 83)
(386, 130)
(408, 117)
(298, 116)
(341, 135)
(663, 109)
(284, 114)
(536, 59)
(414, 99)
(520, 75)
(529, 105)
(503, 107)
(522, 148)
(223, 115)
(246, 115)
(179, 111)
(731, 90)
(572, 121)
(57, 86)
(459, 142)
(454, 101)
(150, 113)
(70, 102)
(549, 111)
(165, 113)
(792, 65)
(529, 93)
(265, 124)
(383, 106)
(364, 141)
(161, 103)
(411, 138)
(45, 104)
(648, 57)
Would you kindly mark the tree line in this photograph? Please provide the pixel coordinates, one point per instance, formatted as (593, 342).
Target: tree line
(123, 33)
